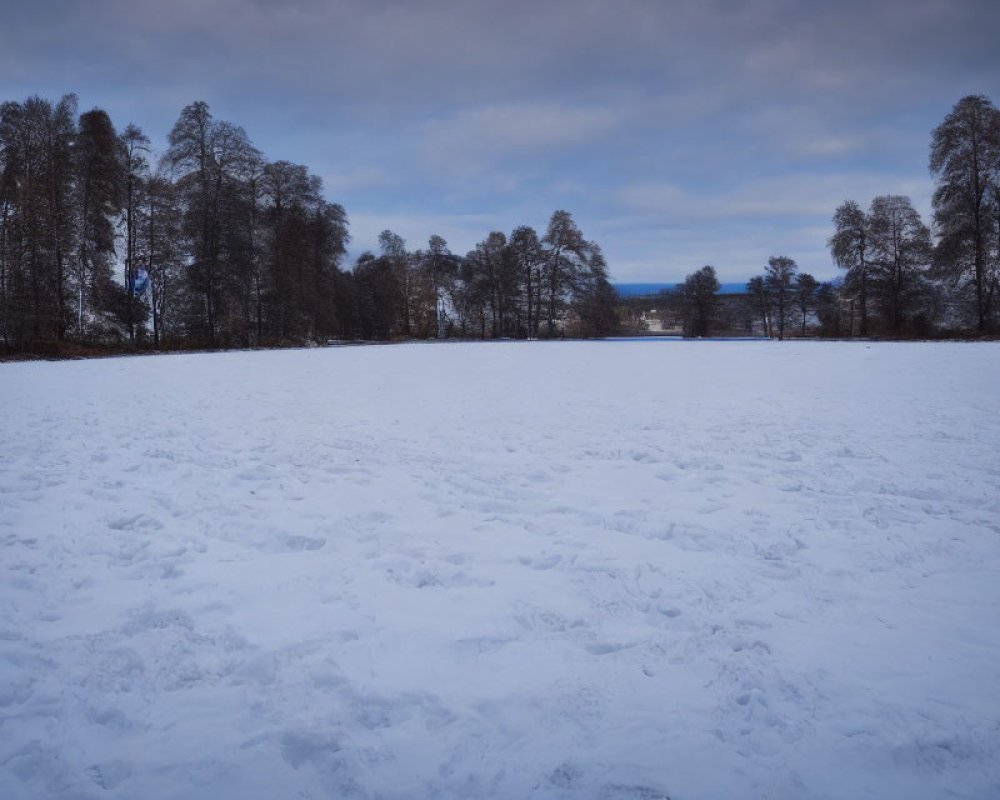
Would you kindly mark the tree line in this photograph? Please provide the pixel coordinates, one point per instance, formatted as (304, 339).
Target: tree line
(214, 245)
(899, 280)
(521, 286)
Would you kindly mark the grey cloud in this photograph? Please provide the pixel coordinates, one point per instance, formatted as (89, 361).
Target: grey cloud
(795, 196)
(475, 140)
(641, 111)
(434, 55)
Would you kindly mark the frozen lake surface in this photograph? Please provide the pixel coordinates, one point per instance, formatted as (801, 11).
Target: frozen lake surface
(553, 570)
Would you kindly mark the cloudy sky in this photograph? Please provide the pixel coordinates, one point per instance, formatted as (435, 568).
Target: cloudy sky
(677, 133)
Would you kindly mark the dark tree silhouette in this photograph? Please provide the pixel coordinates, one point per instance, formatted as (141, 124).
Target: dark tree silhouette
(698, 297)
(965, 159)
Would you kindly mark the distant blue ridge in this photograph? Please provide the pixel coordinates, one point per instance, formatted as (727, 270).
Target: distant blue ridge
(639, 289)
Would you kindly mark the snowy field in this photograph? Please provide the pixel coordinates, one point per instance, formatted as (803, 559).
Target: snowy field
(552, 570)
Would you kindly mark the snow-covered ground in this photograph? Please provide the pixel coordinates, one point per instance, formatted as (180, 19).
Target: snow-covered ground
(553, 570)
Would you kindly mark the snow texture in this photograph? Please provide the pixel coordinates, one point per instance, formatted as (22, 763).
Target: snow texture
(555, 570)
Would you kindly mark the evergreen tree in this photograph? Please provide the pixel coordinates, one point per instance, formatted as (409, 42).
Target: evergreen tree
(780, 284)
(133, 146)
(698, 297)
(40, 225)
(99, 203)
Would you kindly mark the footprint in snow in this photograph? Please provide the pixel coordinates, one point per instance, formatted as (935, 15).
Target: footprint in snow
(301, 747)
(605, 648)
(615, 791)
(134, 522)
(541, 563)
(296, 543)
